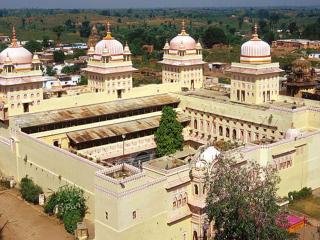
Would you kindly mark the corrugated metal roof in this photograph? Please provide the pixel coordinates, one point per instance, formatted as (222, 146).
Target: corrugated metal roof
(83, 112)
(119, 129)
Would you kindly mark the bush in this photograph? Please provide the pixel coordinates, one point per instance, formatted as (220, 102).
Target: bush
(71, 206)
(303, 193)
(70, 198)
(30, 191)
(50, 204)
(70, 220)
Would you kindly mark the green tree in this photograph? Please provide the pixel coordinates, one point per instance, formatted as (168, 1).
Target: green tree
(33, 46)
(70, 220)
(45, 41)
(242, 201)
(58, 30)
(169, 136)
(293, 28)
(59, 56)
(50, 71)
(83, 80)
(85, 29)
(214, 35)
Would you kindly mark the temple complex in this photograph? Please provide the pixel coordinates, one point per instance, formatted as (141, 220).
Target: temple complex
(103, 140)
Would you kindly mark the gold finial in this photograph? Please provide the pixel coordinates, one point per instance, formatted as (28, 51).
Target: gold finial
(255, 31)
(109, 36)
(183, 28)
(14, 38)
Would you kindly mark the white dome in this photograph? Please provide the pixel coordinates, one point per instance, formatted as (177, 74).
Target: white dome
(255, 51)
(292, 133)
(18, 55)
(113, 46)
(185, 40)
(207, 157)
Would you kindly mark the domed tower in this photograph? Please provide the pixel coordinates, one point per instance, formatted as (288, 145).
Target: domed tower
(182, 61)
(94, 37)
(301, 78)
(201, 166)
(20, 80)
(255, 80)
(109, 67)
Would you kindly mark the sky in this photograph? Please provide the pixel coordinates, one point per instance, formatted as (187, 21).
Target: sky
(151, 3)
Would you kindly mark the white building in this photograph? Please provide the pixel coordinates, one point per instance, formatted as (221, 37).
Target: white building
(182, 61)
(109, 67)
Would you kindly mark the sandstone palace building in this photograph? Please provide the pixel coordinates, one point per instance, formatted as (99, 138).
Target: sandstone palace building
(103, 141)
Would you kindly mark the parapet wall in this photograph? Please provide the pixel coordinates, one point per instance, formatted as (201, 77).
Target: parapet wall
(49, 166)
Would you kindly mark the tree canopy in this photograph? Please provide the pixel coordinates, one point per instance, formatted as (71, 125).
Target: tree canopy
(58, 56)
(33, 46)
(214, 35)
(169, 136)
(242, 201)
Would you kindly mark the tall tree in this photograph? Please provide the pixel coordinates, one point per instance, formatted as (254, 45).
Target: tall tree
(58, 30)
(169, 136)
(59, 56)
(242, 201)
(214, 35)
(33, 46)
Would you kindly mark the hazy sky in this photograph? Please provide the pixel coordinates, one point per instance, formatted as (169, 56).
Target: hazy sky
(150, 3)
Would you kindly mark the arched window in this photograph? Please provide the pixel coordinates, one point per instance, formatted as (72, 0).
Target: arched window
(174, 204)
(227, 132)
(234, 134)
(195, 124)
(196, 189)
(220, 131)
(184, 200)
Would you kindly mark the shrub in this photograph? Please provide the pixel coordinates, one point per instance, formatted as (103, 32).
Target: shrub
(70, 220)
(50, 204)
(70, 198)
(303, 193)
(71, 206)
(29, 190)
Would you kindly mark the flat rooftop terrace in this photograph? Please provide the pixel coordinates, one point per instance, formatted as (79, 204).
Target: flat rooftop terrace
(223, 97)
(167, 163)
(61, 118)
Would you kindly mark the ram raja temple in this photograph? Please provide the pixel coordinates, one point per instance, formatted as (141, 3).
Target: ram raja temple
(102, 139)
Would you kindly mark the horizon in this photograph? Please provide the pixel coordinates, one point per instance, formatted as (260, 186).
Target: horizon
(145, 4)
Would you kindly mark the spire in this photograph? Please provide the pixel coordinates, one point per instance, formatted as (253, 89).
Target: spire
(183, 28)
(127, 49)
(255, 32)
(109, 36)
(14, 42)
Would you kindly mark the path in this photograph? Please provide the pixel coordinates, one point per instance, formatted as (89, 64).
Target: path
(27, 222)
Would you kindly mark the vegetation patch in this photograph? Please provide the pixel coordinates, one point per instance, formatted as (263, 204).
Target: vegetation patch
(71, 205)
(29, 190)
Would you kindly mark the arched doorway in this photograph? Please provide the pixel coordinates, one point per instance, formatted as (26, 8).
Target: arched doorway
(234, 134)
(195, 235)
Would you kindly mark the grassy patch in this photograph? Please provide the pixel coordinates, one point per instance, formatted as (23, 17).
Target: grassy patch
(309, 206)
